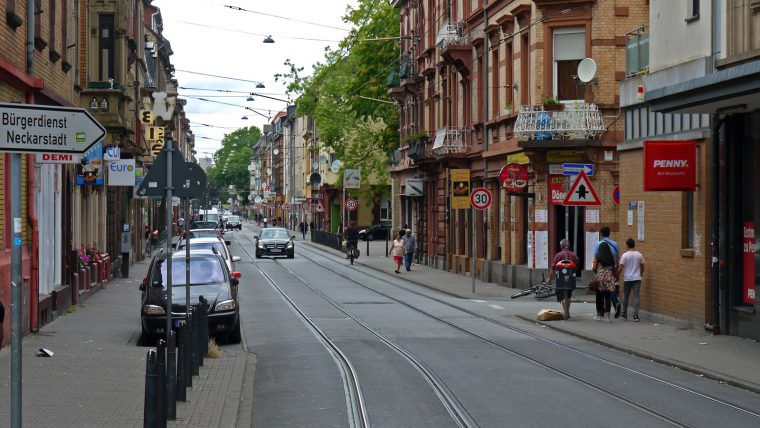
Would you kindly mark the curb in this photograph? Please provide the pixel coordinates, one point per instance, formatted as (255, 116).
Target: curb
(707, 373)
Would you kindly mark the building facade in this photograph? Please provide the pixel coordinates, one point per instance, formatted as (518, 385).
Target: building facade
(479, 84)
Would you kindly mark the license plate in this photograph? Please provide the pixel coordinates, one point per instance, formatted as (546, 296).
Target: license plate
(275, 250)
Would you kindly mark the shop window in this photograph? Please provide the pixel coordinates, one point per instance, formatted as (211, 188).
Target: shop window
(107, 47)
(687, 220)
(569, 49)
(525, 69)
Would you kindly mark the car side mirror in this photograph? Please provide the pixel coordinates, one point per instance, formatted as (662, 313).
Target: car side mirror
(236, 259)
(143, 284)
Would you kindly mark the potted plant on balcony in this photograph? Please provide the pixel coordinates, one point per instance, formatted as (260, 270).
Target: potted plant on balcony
(551, 104)
(508, 109)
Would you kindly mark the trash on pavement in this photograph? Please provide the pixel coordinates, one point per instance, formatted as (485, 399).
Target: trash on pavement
(43, 352)
(549, 315)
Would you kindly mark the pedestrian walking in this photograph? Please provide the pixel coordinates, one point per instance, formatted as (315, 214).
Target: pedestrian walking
(410, 246)
(632, 268)
(564, 292)
(302, 227)
(604, 276)
(397, 250)
(614, 299)
(181, 225)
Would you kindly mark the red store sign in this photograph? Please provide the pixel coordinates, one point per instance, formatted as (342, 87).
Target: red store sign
(514, 177)
(557, 188)
(670, 165)
(748, 261)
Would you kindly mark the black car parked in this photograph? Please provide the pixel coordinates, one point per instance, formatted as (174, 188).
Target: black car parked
(209, 277)
(377, 231)
(275, 241)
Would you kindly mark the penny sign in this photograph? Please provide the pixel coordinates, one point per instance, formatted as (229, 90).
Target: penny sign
(514, 177)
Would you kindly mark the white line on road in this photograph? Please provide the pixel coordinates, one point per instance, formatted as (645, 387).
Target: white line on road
(496, 307)
(477, 301)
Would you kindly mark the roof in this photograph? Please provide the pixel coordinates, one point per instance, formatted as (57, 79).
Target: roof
(279, 115)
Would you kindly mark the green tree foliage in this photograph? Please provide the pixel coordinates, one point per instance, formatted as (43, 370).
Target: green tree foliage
(343, 90)
(231, 162)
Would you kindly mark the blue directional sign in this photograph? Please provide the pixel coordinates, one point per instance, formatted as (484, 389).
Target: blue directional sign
(576, 168)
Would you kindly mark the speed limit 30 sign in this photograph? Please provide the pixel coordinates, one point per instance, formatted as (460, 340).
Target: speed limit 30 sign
(481, 198)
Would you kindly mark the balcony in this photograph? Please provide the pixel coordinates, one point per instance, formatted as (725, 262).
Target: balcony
(418, 149)
(107, 101)
(455, 47)
(637, 53)
(577, 122)
(451, 34)
(450, 141)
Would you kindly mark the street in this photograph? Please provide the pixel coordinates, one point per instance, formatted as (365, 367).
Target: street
(337, 344)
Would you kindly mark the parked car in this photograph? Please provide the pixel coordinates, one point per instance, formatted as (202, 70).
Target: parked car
(233, 222)
(201, 224)
(205, 233)
(377, 231)
(275, 241)
(209, 277)
(208, 244)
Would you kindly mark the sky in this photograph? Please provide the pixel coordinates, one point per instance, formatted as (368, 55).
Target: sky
(228, 50)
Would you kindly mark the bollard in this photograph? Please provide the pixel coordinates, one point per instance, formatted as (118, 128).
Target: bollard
(197, 358)
(161, 402)
(150, 418)
(386, 242)
(181, 364)
(367, 248)
(189, 349)
(171, 377)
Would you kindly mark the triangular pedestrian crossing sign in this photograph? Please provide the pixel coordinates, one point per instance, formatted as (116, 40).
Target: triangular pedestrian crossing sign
(582, 193)
(320, 207)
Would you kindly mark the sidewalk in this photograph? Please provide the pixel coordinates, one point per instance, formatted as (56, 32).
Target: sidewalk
(96, 377)
(728, 359)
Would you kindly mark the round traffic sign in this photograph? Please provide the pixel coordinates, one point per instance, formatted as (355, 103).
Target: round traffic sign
(352, 204)
(514, 177)
(616, 195)
(481, 198)
(257, 199)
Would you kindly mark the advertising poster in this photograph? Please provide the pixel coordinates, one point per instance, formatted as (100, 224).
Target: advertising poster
(460, 189)
(557, 188)
(90, 167)
(748, 259)
(121, 172)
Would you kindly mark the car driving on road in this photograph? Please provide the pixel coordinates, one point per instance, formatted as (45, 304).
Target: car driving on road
(275, 241)
(209, 277)
(233, 222)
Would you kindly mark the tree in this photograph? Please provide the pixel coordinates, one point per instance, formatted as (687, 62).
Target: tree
(231, 162)
(343, 91)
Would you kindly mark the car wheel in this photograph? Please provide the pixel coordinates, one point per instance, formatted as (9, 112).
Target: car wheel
(258, 255)
(291, 254)
(234, 336)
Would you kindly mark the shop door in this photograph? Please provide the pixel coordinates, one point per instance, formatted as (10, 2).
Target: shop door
(572, 227)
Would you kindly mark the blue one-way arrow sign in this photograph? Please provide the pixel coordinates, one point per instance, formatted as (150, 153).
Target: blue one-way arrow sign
(576, 168)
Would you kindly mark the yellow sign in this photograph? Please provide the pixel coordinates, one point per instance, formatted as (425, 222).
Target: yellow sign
(561, 156)
(518, 158)
(460, 189)
(146, 117)
(154, 133)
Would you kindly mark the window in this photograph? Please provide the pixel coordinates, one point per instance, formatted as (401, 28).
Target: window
(107, 47)
(692, 10)
(687, 233)
(385, 210)
(569, 49)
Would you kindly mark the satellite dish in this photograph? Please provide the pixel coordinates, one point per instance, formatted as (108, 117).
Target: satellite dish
(586, 70)
(335, 167)
(315, 165)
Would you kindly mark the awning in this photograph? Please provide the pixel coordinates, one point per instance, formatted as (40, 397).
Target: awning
(440, 139)
(734, 88)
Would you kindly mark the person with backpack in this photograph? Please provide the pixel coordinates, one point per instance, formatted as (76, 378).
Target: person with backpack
(632, 267)
(605, 268)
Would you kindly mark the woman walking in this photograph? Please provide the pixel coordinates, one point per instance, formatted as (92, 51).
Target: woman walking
(398, 249)
(604, 280)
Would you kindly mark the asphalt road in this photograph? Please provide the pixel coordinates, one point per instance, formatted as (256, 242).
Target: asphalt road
(339, 345)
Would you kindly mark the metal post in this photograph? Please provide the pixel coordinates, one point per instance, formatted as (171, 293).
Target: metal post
(161, 352)
(472, 246)
(150, 400)
(575, 231)
(17, 329)
(567, 223)
(187, 275)
(171, 377)
(343, 213)
(170, 363)
(182, 363)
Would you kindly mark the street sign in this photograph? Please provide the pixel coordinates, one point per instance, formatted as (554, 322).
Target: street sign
(481, 198)
(514, 177)
(557, 189)
(576, 168)
(352, 179)
(413, 187)
(112, 153)
(146, 117)
(29, 128)
(60, 158)
(320, 207)
(154, 183)
(121, 172)
(616, 195)
(555, 169)
(352, 204)
(195, 185)
(581, 193)
(257, 199)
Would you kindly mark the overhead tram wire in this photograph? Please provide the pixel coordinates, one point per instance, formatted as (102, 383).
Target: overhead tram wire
(255, 110)
(229, 91)
(284, 17)
(218, 76)
(258, 34)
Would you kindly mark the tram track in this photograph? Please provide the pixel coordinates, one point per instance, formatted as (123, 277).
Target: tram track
(557, 370)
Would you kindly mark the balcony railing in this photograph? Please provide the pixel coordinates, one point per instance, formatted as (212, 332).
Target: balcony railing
(451, 34)
(637, 53)
(451, 140)
(578, 121)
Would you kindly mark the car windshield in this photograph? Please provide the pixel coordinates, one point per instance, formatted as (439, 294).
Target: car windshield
(211, 217)
(274, 234)
(203, 270)
(233, 218)
(203, 234)
(204, 225)
(206, 246)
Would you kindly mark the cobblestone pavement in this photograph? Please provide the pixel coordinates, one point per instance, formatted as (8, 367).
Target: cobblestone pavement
(96, 377)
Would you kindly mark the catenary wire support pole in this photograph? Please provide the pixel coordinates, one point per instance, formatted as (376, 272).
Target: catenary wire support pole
(472, 244)
(171, 374)
(187, 268)
(16, 295)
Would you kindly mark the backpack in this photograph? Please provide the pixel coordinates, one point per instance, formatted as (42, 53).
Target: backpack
(604, 255)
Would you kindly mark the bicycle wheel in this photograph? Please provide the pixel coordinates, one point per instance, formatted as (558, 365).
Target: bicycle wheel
(545, 291)
(524, 292)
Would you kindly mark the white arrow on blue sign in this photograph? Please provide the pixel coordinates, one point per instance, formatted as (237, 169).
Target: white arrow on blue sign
(576, 168)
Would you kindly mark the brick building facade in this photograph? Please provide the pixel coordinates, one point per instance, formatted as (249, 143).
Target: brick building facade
(471, 77)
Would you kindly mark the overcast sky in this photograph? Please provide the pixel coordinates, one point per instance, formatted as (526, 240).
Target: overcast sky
(228, 51)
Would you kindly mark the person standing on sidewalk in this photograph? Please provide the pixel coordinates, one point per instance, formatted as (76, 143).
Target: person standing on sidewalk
(397, 250)
(632, 267)
(410, 246)
(564, 295)
(604, 266)
(605, 232)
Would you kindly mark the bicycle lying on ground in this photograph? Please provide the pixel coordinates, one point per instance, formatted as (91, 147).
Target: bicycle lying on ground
(540, 290)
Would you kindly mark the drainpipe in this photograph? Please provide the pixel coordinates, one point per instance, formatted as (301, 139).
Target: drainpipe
(486, 53)
(718, 122)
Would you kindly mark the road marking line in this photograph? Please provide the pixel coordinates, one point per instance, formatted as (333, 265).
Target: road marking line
(496, 307)
(477, 301)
